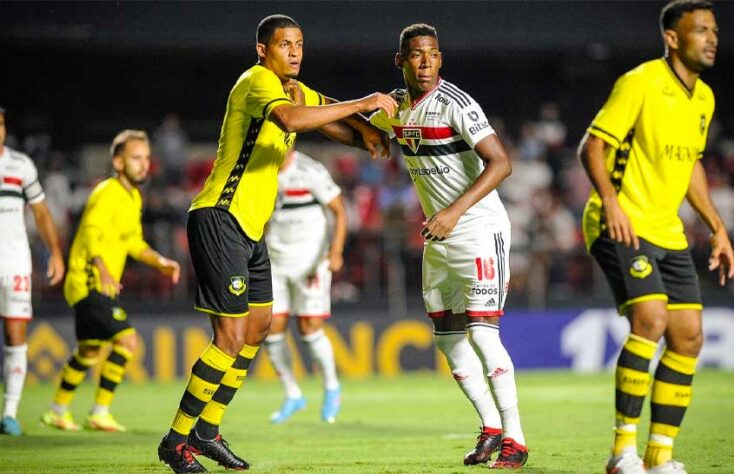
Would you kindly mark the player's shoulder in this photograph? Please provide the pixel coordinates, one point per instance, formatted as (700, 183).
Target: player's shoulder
(19, 158)
(451, 94)
(309, 165)
(259, 75)
(645, 74)
(704, 91)
(107, 187)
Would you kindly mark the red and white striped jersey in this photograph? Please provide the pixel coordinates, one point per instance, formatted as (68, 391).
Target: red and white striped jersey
(437, 136)
(18, 185)
(298, 227)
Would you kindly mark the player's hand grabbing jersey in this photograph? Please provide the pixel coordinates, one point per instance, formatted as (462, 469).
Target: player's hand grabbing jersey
(251, 149)
(437, 136)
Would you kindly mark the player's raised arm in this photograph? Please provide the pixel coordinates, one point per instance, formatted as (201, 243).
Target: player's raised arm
(303, 118)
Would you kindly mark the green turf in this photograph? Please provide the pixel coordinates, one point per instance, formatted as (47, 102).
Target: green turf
(416, 423)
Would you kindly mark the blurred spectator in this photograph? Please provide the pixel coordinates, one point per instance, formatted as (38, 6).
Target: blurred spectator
(170, 144)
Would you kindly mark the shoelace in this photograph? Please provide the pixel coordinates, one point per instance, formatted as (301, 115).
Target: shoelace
(185, 453)
(507, 450)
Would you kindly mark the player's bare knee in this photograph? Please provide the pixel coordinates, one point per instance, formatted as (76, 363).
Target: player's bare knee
(308, 326)
(686, 343)
(88, 351)
(650, 324)
(129, 342)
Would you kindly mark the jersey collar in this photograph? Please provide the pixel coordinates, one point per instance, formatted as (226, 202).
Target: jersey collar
(678, 80)
(424, 95)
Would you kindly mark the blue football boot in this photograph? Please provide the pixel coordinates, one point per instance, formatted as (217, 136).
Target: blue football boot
(289, 407)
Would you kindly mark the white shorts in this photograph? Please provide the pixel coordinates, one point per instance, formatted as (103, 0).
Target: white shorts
(15, 296)
(467, 276)
(307, 295)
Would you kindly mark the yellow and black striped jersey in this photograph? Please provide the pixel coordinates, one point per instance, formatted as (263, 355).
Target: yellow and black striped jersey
(111, 229)
(657, 130)
(244, 180)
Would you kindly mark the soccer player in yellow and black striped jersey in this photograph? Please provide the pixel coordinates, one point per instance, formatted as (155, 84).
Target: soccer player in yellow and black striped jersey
(266, 108)
(642, 153)
(110, 230)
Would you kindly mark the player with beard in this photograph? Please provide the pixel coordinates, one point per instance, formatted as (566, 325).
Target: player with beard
(110, 230)
(456, 161)
(643, 154)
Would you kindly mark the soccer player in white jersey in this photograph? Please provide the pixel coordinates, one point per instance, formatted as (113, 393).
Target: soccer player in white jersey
(456, 162)
(302, 260)
(18, 185)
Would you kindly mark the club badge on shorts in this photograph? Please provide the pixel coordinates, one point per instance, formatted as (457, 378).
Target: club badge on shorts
(640, 267)
(237, 285)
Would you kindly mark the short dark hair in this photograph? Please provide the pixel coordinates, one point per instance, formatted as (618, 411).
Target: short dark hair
(121, 139)
(416, 29)
(269, 24)
(673, 11)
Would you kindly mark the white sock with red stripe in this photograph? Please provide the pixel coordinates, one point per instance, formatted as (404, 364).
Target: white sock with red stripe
(322, 352)
(280, 357)
(469, 375)
(501, 373)
(14, 370)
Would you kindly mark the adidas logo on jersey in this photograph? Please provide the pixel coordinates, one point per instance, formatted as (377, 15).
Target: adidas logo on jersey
(490, 302)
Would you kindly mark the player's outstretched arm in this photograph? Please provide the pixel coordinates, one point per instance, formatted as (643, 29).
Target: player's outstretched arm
(47, 229)
(302, 118)
(497, 167)
(164, 265)
(722, 255)
(375, 141)
(336, 249)
(591, 153)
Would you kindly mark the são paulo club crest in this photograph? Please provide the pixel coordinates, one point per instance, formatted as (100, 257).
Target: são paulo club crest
(412, 137)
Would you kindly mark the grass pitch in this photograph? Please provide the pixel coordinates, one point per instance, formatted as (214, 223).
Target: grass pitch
(415, 423)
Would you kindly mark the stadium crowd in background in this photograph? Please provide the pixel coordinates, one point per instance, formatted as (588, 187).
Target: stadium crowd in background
(544, 197)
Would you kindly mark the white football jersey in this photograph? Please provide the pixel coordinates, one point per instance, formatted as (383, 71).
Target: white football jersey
(297, 236)
(18, 185)
(437, 136)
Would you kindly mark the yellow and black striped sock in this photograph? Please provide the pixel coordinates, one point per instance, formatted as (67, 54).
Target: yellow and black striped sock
(632, 381)
(671, 396)
(206, 375)
(113, 370)
(73, 373)
(211, 417)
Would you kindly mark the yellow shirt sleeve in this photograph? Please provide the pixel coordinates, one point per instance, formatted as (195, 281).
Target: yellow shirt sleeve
(312, 97)
(97, 217)
(619, 114)
(137, 244)
(265, 91)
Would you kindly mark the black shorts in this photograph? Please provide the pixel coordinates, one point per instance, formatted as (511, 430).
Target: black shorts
(99, 318)
(232, 270)
(650, 273)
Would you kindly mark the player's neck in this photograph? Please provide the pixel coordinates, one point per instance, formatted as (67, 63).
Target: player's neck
(685, 74)
(125, 182)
